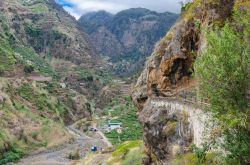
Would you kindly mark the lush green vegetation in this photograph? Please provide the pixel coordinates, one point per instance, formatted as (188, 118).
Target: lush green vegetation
(40, 38)
(192, 159)
(126, 114)
(186, 6)
(40, 100)
(7, 59)
(223, 74)
(12, 155)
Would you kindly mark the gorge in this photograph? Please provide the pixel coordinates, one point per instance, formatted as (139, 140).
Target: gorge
(64, 82)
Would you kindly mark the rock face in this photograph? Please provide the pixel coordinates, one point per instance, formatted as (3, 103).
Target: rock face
(126, 37)
(170, 126)
(166, 85)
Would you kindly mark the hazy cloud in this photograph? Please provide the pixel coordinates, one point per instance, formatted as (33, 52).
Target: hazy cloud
(79, 7)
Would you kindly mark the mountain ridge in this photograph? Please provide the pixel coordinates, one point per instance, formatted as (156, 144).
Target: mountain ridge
(48, 77)
(126, 36)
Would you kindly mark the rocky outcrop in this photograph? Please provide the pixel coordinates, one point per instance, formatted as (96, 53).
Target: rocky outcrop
(126, 37)
(171, 126)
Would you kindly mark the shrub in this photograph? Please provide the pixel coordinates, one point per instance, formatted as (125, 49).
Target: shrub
(200, 153)
(13, 155)
(186, 6)
(222, 72)
(35, 135)
(28, 68)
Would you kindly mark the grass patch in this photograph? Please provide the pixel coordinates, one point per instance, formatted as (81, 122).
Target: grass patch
(133, 157)
(122, 149)
(7, 59)
(42, 100)
(130, 152)
(191, 159)
(27, 92)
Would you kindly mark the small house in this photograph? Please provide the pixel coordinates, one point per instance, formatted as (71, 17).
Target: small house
(114, 125)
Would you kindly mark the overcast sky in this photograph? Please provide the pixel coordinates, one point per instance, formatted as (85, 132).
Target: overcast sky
(79, 7)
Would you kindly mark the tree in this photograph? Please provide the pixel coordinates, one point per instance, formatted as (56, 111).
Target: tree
(28, 68)
(222, 73)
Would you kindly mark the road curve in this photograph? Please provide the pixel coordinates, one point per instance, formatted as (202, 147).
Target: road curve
(59, 156)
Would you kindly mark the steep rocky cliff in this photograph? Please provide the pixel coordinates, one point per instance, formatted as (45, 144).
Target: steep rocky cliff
(166, 92)
(126, 37)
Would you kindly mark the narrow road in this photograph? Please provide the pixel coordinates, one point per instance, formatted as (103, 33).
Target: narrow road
(60, 155)
(105, 139)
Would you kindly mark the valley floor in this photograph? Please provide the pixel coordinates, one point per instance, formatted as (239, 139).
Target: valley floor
(60, 155)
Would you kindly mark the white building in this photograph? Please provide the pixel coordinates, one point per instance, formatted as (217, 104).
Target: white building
(113, 126)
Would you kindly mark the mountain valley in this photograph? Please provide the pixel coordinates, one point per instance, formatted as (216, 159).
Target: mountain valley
(135, 87)
(127, 38)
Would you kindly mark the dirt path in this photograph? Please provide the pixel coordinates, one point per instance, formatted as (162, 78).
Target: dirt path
(59, 156)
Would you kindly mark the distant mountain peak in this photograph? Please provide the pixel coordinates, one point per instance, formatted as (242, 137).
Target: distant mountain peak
(127, 37)
(96, 13)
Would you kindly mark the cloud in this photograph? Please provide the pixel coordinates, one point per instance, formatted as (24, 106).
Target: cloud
(79, 7)
(74, 13)
(64, 3)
